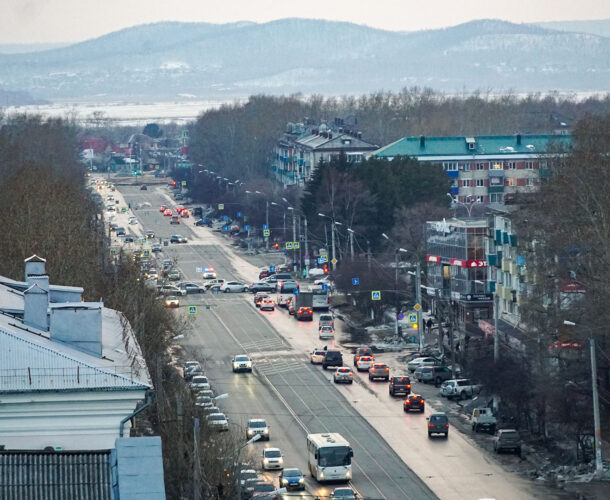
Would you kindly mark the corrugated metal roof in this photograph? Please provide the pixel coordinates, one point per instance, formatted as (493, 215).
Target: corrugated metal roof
(31, 362)
(139, 468)
(26, 475)
(500, 145)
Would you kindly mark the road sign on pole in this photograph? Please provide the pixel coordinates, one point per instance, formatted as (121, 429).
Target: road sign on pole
(192, 310)
(198, 270)
(296, 245)
(266, 232)
(271, 269)
(289, 245)
(247, 227)
(238, 214)
(183, 183)
(221, 206)
(376, 295)
(265, 226)
(334, 261)
(355, 281)
(412, 318)
(417, 307)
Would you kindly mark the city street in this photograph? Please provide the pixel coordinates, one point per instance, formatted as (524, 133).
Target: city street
(393, 457)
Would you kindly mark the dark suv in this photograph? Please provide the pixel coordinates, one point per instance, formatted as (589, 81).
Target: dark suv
(332, 358)
(400, 385)
(363, 351)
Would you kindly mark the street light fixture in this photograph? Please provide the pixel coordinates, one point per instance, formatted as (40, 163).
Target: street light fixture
(332, 237)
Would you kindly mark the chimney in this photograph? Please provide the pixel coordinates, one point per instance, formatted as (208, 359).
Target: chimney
(422, 141)
(518, 139)
(359, 135)
(79, 325)
(34, 266)
(35, 305)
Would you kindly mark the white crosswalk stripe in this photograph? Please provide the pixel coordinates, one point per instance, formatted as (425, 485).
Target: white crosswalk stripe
(264, 344)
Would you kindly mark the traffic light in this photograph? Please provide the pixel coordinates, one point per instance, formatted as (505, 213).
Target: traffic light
(325, 268)
(415, 326)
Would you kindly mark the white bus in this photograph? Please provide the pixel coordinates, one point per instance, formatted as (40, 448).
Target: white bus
(321, 299)
(329, 457)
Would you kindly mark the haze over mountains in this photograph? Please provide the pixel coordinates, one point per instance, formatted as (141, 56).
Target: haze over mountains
(166, 60)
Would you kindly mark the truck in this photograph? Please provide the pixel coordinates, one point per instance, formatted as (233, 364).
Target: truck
(483, 419)
(303, 306)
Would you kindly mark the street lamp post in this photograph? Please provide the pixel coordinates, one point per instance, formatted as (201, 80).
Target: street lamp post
(596, 420)
(467, 207)
(351, 242)
(332, 238)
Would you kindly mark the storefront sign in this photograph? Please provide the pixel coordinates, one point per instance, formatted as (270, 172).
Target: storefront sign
(468, 263)
(478, 297)
(434, 258)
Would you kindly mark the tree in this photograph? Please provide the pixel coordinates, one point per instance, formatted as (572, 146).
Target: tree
(152, 130)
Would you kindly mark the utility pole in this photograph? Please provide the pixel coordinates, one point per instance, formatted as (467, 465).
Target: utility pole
(596, 423)
(326, 236)
(267, 222)
(368, 253)
(496, 333)
(294, 235)
(396, 293)
(451, 342)
(196, 462)
(306, 248)
(351, 244)
(332, 236)
(418, 302)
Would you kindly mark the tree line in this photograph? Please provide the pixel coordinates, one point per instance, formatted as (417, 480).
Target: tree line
(48, 210)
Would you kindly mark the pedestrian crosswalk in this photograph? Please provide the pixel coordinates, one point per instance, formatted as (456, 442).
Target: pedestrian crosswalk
(279, 365)
(265, 344)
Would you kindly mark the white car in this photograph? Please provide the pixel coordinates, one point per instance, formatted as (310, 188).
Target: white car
(242, 363)
(209, 273)
(317, 356)
(343, 374)
(417, 362)
(133, 220)
(272, 459)
(211, 284)
(218, 422)
(233, 286)
(257, 426)
(364, 363)
(326, 332)
(199, 382)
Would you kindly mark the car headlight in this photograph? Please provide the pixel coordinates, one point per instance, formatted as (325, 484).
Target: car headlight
(284, 481)
(266, 431)
(301, 480)
(281, 460)
(322, 475)
(266, 461)
(348, 474)
(250, 433)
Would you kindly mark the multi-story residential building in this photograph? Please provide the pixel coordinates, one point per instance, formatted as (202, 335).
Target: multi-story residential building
(484, 169)
(302, 147)
(457, 268)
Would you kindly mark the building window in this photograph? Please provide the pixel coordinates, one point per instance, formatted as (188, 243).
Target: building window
(466, 167)
(529, 182)
(480, 166)
(497, 166)
(529, 165)
(511, 182)
(480, 182)
(466, 183)
(543, 164)
(495, 198)
(450, 166)
(454, 183)
(479, 199)
(509, 164)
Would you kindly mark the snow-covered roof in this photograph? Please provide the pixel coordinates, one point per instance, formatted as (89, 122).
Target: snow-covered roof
(31, 361)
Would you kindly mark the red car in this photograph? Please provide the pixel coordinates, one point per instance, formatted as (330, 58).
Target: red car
(163, 208)
(143, 187)
(168, 212)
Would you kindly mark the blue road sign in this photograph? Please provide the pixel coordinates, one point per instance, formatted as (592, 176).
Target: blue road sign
(226, 228)
(401, 316)
(324, 286)
(247, 227)
(412, 318)
(355, 281)
(321, 260)
(192, 310)
(265, 226)
(238, 214)
(376, 295)
(296, 291)
(224, 217)
(272, 269)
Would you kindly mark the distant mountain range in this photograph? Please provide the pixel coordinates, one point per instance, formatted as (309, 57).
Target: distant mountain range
(167, 60)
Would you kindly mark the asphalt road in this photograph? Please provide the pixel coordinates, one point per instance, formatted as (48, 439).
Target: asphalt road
(292, 395)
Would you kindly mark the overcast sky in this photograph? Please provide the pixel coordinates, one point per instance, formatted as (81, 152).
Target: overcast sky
(43, 21)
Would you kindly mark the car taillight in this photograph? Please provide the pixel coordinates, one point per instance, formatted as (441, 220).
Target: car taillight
(387, 369)
(357, 357)
(351, 374)
(407, 402)
(408, 386)
(422, 400)
(430, 425)
(358, 362)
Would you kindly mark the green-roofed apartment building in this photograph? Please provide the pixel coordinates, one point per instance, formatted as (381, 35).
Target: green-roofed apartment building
(484, 169)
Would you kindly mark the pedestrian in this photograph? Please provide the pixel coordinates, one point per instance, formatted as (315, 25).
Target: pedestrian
(304, 273)
(429, 325)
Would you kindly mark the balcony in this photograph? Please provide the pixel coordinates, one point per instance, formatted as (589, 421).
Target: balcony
(506, 265)
(495, 172)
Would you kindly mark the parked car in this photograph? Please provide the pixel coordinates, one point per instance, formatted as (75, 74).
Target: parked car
(364, 363)
(343, 374)
(241, 363)
(414, 402)
(507, 440)
(459, 388)
(203, 401)
(292, 479)
(218, 422)
(199, 382)
(332, 358)
(399, 385)
(272, 459)
(483, 419)
(177, 238)
(233, 286)
(257, 426)
(379, 371)
(423, 361)
(436, 374)
(317, 356)
(438, 423)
